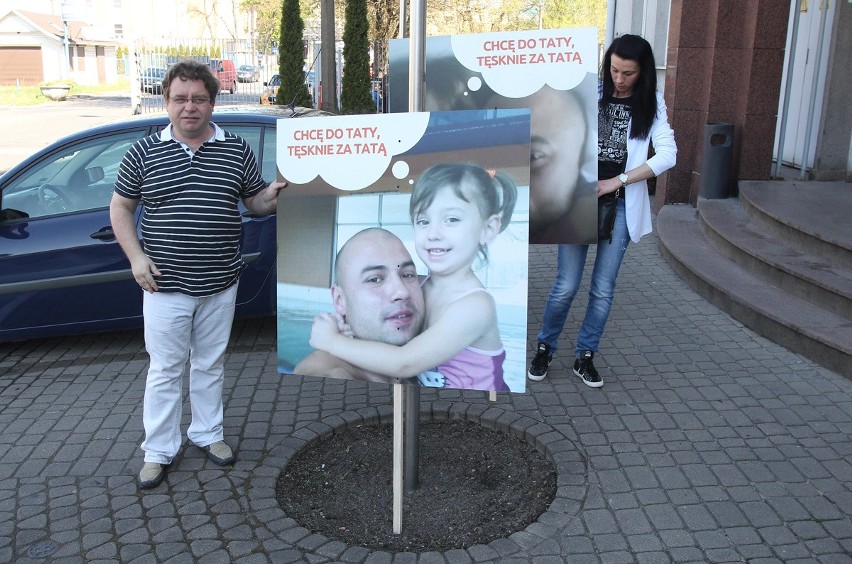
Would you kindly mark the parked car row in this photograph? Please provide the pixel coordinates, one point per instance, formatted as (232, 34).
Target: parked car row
(270, 88)
(248, 73)
(152, 80)
(61, 268)
(223, 69)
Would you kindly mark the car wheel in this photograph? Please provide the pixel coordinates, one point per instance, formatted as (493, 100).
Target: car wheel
(53, 199)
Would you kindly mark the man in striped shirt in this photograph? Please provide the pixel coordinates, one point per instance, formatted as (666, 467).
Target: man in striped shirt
(190, 178)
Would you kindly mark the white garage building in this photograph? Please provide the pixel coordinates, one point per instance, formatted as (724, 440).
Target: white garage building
(32, 51)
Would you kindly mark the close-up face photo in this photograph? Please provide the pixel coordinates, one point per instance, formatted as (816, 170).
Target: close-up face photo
(557, 136)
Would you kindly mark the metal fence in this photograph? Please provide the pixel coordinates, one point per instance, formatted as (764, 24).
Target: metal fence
(161, 55)
(152, 56)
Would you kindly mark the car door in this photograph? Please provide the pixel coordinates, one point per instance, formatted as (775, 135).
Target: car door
(61, 268)
(255, 295)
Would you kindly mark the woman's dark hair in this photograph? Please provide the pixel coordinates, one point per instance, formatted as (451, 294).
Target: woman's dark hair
(634, 48)
(187, 69)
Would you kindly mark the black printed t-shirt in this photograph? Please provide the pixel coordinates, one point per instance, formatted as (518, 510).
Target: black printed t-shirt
(613, 120)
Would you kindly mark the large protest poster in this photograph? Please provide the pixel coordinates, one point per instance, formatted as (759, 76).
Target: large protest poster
(443, 187)
(554, 73)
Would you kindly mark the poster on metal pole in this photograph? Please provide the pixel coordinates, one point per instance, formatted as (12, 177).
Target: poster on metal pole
(402, 248)
(402, 253)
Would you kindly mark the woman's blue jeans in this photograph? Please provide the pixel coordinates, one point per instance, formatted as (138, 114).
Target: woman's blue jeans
(569, 273)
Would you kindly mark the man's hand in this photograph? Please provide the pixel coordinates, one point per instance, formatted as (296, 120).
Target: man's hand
(273, 189)
(265, 202)
(145, 272)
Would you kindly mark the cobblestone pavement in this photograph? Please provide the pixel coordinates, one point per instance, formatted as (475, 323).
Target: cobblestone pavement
(707, 443)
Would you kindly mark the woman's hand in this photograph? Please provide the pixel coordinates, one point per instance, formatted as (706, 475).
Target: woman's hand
(607, 186)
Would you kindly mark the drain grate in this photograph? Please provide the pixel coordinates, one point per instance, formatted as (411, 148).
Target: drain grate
(42, 549)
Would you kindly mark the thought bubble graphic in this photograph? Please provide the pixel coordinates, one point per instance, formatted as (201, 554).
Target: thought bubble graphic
(400, 169)
(517, 64)
(347, 152)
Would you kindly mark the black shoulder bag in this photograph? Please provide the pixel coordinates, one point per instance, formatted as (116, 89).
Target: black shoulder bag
(606, 211)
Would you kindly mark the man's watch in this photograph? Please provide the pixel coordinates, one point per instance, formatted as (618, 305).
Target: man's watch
(623, 179)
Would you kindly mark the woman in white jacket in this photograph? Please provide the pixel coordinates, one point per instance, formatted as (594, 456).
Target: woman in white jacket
(631, 115)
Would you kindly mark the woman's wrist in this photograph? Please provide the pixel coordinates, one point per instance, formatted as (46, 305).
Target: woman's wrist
(616, 184)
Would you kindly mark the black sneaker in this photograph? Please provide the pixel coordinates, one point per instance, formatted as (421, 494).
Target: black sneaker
(538, 367)
(585, 369)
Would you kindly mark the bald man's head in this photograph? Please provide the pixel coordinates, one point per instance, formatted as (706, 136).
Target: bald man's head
(377, 289)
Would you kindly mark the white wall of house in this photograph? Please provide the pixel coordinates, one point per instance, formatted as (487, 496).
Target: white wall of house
(14, 32)
(151, 19)
(53, 59)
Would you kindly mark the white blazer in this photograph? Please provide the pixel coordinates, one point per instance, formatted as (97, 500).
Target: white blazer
(637, 204)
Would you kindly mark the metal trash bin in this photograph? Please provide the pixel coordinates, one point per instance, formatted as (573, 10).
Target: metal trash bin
(716, 160)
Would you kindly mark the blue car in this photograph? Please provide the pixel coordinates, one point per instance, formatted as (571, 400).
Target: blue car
(61, 268)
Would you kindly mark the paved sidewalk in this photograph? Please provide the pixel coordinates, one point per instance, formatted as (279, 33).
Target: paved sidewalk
(707, 443)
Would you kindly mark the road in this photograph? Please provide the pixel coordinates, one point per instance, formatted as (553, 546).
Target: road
(34, 127)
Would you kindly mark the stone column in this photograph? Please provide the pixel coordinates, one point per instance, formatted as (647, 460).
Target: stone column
(724, 63)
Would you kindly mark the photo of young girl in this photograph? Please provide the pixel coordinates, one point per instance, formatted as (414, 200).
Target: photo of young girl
(456, 210)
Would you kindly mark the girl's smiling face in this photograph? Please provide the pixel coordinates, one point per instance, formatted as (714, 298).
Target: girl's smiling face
(448, 233)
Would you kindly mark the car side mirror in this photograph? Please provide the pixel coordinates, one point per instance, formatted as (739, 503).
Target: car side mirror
(95, 174)
(9, 214)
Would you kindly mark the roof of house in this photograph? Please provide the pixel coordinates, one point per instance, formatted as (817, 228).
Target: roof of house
(79, 32)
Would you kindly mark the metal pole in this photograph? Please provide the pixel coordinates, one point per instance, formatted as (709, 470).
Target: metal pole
(416, 82)
(328, 54)
(67, 60)
(788, 85)
(398, 444)
(416, 58)
(609, 33)
(812, 108)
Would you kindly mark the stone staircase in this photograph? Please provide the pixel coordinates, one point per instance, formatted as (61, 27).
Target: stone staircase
(778, 258)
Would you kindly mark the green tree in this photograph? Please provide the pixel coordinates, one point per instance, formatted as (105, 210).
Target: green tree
(384, 25)
(355, 97)
(291, 60)
(575, 13)
(266, 15)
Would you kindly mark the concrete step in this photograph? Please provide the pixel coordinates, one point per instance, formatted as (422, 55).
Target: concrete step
(814, 216)
(765, 252)
(765, 307)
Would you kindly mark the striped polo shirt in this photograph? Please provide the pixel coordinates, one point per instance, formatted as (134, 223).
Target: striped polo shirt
(190, 220)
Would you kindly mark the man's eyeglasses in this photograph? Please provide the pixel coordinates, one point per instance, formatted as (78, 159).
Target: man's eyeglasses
(197, 100)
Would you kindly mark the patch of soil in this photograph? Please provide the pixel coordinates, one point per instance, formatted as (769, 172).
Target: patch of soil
(476, 485)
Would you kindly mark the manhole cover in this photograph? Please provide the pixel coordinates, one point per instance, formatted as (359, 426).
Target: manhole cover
(42, 549)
